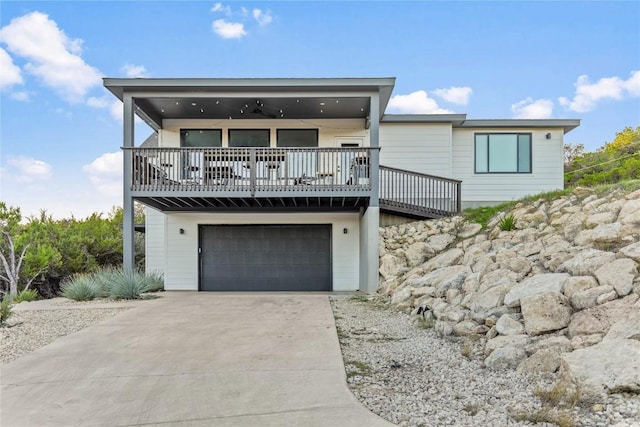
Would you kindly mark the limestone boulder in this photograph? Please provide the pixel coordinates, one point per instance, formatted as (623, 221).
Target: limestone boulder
(545, 312)
(444, 259)
(465, 328)
(551, 282)
(401, 295)
(439, 242)
(417, 253)
(507, 325)
(611, 366)
(520, 341)
(499, 277)
(558, 343)
(545, 360)
(598, 319)
(589, 297)
(492, 297)
(632, 251)
(630, 212)
(391, 266)
(607, 233)
(577, 284)
(584, 341)
(469, 229)
(619, 274)
(606, 217)
(443, 328)
(505, 358)
(586, 262)
(628, 328)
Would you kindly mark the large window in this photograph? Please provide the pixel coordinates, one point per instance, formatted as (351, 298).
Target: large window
(297, 138)
(200, 138)
(249, 137)
(503, 153)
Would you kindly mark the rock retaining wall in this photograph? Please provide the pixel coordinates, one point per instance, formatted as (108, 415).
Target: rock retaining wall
(559, 293)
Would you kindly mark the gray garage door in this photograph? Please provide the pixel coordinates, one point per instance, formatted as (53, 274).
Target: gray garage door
(265, 258)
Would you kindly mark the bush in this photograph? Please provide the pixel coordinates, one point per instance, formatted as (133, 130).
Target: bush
(26, 295)
(155, 281)
(6, 307)
(81, 287)
(128, 284)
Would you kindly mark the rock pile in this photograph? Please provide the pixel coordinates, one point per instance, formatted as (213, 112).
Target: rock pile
(559, 293)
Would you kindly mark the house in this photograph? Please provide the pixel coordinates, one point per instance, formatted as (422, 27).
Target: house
(281, 184)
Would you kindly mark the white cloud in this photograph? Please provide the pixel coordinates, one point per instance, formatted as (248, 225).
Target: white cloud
(416, 103)
(21, 96)
(219, 7)
(95, 102)
(228, 30)
(530, 109)
(27, 170)
(134, 71)
(53, 57)
(10, 73)
(455, 94)
(105, 173)
(263, 18)
(587, 94)
(116, 110)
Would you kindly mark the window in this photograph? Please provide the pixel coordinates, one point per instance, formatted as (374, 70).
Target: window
(503, 153)
(200, 138)
(249, 137)
(297, 137)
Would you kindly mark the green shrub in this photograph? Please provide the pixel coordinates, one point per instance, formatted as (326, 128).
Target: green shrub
(81, 287)
(6, 307)
(128, 284)
(507, 223)
(155, 281)
(26, 295)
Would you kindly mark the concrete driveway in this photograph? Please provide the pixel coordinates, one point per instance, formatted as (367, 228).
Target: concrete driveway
(191, 359)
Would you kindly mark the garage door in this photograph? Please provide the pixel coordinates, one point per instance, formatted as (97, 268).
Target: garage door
(265, 258)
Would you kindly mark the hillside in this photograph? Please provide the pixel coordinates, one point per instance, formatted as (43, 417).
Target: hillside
(557, 294)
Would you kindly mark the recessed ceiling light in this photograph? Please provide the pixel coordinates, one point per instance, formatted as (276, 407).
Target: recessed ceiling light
(337, 101)
(362, 109)
(162, 110)
(194, 104)
(322, 103)
(321, 111)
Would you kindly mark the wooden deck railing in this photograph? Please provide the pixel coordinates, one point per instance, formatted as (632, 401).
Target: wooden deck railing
(251, 169)
(418, 194)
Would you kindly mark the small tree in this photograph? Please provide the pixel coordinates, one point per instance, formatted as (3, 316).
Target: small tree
(572, 151)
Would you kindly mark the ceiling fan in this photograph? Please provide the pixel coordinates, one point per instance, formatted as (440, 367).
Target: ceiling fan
(260, 109)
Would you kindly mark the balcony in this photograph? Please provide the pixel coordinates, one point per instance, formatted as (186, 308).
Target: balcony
(249, 178)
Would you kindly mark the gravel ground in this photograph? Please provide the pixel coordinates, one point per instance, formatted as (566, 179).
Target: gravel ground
(28, 330)
(409, 376)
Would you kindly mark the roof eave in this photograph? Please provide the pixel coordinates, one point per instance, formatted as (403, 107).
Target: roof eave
(566, 124)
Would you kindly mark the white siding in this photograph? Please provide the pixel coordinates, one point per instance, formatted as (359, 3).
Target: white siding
(485, 189)
(328, 130)
(419, 147)
(154, 246)
(182, 249)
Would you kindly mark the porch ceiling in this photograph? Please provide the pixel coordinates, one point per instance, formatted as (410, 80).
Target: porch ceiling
(255, 107)
(254, 204)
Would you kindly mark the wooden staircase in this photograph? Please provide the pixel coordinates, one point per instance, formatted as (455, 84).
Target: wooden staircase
(416, 195)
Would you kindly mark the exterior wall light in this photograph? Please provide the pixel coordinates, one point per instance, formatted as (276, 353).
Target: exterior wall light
(548, 135)
(345, 231)
(182, 231)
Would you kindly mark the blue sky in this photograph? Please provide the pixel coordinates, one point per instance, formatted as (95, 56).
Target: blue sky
(60, 132)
